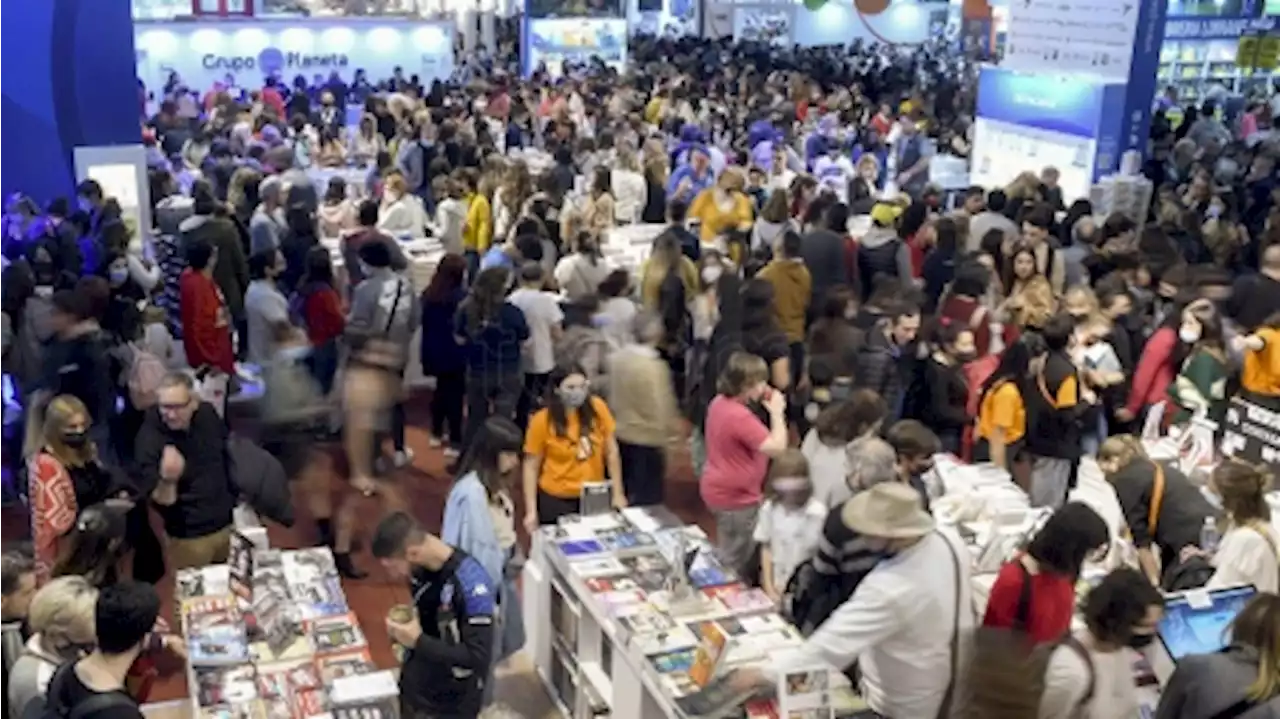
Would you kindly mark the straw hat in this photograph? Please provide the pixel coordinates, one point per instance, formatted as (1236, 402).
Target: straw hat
(891, 510)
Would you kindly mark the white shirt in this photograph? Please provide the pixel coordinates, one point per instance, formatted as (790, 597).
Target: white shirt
(616, 320)
(899, 623)
(791, 534)
(541, 313)
(1245, 556)
(828, 470)
(629, 192)
(1066, 681)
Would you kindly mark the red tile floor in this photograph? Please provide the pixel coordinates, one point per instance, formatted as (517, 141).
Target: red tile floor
(427, 485)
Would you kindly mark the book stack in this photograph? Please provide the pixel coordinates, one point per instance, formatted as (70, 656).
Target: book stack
(269, 635)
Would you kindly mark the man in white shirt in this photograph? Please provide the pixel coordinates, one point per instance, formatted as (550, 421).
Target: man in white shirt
(543, 314)
(903, 622)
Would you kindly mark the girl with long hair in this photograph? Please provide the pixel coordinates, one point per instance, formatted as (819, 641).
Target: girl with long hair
(1249, 552)
(1200, 389)
(510, 197)
(655, 180)
(1002, 413)
(479, 519)
(600, 212)
(491, 330)
(570, 443)
(441, 355)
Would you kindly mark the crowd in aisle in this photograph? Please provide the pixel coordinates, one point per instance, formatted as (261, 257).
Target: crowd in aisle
(814, 323)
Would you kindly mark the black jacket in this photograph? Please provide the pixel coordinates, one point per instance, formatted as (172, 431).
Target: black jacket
(206, 492)
(881, 369)
(823, 253)
(445, 671)
(81, 366)
(941, 397)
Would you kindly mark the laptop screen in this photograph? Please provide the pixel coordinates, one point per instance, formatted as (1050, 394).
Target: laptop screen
(1192, 626)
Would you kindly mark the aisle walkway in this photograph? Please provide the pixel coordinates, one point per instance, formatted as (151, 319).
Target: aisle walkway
(427, 485)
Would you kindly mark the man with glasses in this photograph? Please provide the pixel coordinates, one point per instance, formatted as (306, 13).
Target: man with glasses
(182, 457)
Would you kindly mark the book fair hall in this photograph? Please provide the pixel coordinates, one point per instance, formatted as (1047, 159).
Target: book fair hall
(640, 359)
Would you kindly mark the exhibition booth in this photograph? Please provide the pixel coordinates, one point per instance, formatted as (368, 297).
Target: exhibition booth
(815, 24)
(246, 51)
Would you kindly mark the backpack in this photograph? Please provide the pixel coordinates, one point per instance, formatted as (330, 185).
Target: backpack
(143, 379)
(49, 705)
(811, 597)
(1005, 676)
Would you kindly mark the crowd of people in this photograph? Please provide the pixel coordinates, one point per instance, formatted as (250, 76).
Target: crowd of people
(813, 372)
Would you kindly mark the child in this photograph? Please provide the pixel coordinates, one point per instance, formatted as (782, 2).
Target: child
(790, 522)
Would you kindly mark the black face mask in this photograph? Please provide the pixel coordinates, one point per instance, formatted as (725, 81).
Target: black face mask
(75, 440)
(1141, 641)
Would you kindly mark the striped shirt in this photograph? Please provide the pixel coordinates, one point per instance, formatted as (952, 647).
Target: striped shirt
(844, 553)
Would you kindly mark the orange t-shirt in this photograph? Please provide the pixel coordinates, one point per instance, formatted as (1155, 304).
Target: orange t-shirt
(570, 460)
(1003, 408)
(1261, 374)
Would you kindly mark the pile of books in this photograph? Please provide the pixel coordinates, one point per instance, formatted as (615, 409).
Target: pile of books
(269, 636)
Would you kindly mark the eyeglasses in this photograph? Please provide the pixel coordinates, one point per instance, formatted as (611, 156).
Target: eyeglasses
(174, 406)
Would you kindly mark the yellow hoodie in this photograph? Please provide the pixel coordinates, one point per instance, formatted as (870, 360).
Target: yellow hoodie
(477, 233)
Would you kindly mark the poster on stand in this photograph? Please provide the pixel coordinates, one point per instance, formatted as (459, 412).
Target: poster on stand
(805, 694)
(552, 42)
(773, 24)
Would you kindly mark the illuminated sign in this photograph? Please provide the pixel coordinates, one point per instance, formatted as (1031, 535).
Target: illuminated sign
(273, 60)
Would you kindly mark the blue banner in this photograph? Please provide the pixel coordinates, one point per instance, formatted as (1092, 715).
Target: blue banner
(1127, 115)
(1070, 105)
(1220, 28)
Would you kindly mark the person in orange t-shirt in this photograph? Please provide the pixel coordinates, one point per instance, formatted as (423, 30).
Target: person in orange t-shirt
(569, 443)
(1261, 375)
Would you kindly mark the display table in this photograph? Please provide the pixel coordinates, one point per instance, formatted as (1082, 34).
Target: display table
(269, 636)
(617, 642)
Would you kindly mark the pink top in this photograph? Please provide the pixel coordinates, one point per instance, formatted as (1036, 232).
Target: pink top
(733, 477)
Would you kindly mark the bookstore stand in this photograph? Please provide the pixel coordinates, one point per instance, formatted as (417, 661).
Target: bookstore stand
(645, 623)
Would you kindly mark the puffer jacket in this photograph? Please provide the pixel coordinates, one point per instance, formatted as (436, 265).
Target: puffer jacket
(879, 369)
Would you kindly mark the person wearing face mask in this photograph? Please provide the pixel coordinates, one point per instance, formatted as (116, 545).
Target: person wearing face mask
(65, 474)
(1090, 674)
(1200, 388)
(570, 443)
(940, 393)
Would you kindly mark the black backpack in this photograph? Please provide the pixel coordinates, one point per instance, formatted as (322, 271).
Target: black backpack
(51, 706)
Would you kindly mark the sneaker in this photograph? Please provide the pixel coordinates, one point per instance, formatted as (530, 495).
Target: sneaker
(402, 458)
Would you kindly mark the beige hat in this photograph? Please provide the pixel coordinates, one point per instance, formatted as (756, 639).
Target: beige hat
(891, 510)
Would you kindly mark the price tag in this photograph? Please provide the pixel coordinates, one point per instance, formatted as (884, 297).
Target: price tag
(1198, 599)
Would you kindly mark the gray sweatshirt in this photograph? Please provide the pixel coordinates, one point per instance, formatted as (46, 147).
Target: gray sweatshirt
(384, 307)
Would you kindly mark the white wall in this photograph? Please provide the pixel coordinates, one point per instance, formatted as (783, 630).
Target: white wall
(204, 52)
(837, 23)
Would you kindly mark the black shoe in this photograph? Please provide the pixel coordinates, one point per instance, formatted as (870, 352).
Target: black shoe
(346, 567)
(324, 528)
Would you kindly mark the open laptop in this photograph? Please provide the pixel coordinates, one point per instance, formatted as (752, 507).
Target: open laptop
(1197, 621)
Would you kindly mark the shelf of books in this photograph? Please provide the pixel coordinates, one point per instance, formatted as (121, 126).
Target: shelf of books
(625, 642)
(269, 636)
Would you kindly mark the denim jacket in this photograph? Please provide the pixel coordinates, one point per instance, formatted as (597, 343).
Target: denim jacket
(468, 525)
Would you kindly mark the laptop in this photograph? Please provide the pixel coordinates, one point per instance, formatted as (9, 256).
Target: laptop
(1197, 621)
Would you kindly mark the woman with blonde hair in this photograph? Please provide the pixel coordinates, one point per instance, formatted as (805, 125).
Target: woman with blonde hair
(600, 212)
(509, 197)
(1173, 524)
(401, 213)
(62, 623)
(242, 193)
(1242, 680)
(1249, 552)
(365, 142)
(628, 185)
(724, 207)
(63, 474)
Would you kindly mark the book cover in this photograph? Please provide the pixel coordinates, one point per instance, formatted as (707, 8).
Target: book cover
(575, 548)
(248, 710)
(601, 585)
(225, 685)
(711, 575)
(346, 664)
(650, 571)
(310, 704)
(304, 566)
(678, 684)
(676, 639)
(711, 645)
(596, 568)
(336, 634)
(296, 675)
(644, 619)
(321, 597)
(213, 580)
(680, 660)
(614, 601)
(384, 709)
(717, 699)
(240, 566)
(277, 708)
(740, 600)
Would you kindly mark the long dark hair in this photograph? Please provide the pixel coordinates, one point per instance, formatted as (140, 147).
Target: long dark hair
(94, 546)
(1066, 539)
(1015, 363)
(559, 413)
(449, 277)
(497, 435)
(319, 269)
(488, 292)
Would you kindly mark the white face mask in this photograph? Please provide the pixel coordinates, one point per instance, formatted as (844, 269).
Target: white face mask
(711, 273)
(1189, 334)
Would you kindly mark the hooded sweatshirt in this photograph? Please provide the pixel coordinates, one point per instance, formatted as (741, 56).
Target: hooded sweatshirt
(791, 287)
(881, 251)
